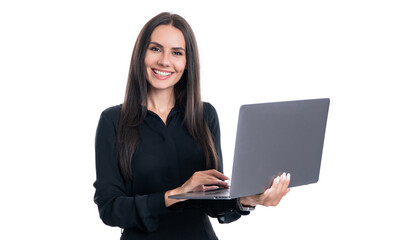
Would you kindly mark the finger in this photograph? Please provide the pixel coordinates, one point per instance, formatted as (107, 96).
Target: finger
(275, 184)
(266, 194)
(285, 183)
(276, 181)
(222, 184)
(288, 177)
(282, 184)
(216, 174)
(209, 188)
(210, 180)
(276, 190)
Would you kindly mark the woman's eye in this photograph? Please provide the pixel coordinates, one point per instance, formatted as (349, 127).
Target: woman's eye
(178, 53)
(155, 49)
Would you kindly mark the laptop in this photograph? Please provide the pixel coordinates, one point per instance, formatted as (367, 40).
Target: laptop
(273, 138)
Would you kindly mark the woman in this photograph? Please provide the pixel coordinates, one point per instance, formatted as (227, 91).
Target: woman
(164, 140)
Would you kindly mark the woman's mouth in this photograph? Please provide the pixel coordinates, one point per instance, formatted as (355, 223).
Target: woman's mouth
(162, 75)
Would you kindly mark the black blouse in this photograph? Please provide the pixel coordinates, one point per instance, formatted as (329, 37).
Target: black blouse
(165, 158)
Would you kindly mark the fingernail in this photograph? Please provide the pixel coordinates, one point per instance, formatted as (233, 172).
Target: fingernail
(288, 176)
(277, 180)
(284, 176)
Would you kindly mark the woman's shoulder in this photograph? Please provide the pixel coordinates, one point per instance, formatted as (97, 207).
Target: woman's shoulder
(113, 109)
(108, 122)
(210, 113)
(209, 109)
(112, 113)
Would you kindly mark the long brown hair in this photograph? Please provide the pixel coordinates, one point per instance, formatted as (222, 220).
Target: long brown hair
(187, 95)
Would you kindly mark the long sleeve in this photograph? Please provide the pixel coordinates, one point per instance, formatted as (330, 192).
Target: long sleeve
(117, 206)
(225, 210)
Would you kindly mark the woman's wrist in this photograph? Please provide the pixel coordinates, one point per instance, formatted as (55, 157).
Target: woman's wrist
(170, 201)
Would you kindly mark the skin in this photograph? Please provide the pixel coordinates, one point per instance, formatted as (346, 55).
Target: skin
(165, 63)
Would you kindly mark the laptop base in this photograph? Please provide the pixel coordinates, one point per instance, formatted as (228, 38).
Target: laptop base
(220, 194)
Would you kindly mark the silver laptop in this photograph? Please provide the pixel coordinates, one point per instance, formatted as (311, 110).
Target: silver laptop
(273, 138)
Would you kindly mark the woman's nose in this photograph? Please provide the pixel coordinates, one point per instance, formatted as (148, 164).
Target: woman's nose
(164, 60)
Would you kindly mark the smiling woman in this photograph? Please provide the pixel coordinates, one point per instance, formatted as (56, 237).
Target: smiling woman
(163, 140)
(163, 134)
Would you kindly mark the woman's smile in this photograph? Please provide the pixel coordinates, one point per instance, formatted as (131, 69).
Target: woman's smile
(162, 74)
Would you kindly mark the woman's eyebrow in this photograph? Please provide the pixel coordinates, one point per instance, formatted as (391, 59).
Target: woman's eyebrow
(161, 46)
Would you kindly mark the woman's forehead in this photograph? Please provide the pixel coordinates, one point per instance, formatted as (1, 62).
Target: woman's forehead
(168, 36)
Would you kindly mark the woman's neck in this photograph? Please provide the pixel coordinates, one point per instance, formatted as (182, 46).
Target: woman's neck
(161, 102)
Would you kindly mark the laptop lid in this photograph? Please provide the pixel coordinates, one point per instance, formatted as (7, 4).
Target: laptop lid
(278, 137)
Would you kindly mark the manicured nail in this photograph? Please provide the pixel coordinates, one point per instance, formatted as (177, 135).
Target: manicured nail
(288, 176)
(277, 180)
(284, 176)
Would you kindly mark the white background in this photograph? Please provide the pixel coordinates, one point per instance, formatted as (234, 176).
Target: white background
(63, 62)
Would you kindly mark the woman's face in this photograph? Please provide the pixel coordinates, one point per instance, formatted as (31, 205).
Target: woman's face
(165, 58)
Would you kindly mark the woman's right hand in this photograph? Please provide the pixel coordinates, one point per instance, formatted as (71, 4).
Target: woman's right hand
(197, 183)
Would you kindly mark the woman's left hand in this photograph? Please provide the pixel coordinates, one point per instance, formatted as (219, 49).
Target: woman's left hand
(272, 196)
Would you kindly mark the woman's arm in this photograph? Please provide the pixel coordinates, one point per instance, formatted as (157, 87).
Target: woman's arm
(113, 197)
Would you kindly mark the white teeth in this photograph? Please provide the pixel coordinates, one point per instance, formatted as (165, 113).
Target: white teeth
(160, 73)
